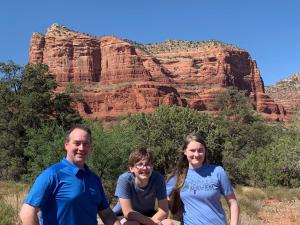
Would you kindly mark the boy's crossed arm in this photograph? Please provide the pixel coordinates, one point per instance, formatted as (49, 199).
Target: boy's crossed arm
(133, 215)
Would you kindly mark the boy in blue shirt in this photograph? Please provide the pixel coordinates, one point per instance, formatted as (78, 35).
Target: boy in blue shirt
(137, 191)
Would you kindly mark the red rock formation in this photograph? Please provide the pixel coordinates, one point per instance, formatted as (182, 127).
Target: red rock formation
(117, 102)
(120, 76)
(71, 56)
(287, 93)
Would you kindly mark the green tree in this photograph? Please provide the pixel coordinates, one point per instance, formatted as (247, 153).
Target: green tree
(28, 101)
(233, 105)
(11, 129)
(12, 74)
(164, 130)
(275, 164)
(110, 151)
(45, 147)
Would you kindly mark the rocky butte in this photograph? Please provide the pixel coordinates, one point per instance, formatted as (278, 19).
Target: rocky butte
(120, 76)
(287, 93)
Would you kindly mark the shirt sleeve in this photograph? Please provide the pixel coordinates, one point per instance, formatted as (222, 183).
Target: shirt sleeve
(41, 190)
(123, 187)
(103, 203)
(171, 182)
(161, 192)
(225, 185)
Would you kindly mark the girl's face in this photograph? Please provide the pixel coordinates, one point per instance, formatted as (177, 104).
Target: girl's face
(195, 154)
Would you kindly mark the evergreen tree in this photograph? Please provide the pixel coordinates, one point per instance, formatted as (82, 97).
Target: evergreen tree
(28, 101)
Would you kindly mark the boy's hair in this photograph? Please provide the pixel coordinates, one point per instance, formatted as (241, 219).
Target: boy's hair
(138, 155)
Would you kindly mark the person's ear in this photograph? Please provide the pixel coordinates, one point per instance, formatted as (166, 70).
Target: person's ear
(131, 169)
(66, 142)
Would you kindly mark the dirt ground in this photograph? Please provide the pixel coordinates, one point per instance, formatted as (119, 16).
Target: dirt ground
(277, 212)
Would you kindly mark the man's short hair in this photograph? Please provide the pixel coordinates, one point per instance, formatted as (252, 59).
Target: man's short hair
(138, 155)
(81, 127)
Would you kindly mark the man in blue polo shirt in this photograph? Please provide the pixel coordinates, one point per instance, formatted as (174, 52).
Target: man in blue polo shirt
(68, 192)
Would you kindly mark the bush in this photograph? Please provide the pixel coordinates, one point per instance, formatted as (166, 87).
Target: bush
(109, 155)
(45, 147)
(241, 140)
(164, 130)
(276, 164)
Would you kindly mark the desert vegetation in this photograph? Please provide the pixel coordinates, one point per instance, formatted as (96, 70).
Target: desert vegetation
(178, 45)
(257, 155)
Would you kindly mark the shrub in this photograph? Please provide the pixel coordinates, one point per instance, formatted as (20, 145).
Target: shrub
(276, 164)
(164, 130)
(45, 147)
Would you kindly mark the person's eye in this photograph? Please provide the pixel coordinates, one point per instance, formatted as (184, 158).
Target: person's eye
(77, 143)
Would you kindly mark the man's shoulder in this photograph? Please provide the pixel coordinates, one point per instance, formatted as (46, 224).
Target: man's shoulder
(57, 166)
(55, 169)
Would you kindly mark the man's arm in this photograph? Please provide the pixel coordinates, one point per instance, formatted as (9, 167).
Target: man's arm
(163, 211)
(133, 215)
(108, 217)
(234, 209)
(28, 215)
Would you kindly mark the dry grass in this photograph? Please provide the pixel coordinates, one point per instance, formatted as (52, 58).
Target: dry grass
(253, 202)
(11, 198)
(282, 194)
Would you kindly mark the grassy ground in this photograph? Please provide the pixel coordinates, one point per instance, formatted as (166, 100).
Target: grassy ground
(11, 198)
(274, 206)
(261, 206)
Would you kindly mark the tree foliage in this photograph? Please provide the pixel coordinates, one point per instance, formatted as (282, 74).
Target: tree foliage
(28, 101)
(163, 131)
(276, 164)
(45, 147)
(233, 105)
(34, 118)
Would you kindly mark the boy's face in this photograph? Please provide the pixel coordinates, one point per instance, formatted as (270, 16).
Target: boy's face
(142, 170)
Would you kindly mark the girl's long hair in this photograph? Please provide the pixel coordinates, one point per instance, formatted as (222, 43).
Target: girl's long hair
(180, 171)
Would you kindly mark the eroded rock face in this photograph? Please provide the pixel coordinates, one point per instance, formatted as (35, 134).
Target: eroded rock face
(71, 56)
(120, 76)
(117, 102)
(287, 93)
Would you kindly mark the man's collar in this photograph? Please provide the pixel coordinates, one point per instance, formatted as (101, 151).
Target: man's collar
(75, 169)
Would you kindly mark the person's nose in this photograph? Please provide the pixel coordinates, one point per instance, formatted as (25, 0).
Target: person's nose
(196, 153)
(80, 147)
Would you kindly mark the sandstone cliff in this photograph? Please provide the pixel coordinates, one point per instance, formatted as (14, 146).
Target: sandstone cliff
(120, 76)
(287, 93)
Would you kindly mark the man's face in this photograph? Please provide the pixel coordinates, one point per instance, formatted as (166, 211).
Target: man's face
(78, 147)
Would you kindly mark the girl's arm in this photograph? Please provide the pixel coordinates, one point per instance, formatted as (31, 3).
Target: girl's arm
(234, 209)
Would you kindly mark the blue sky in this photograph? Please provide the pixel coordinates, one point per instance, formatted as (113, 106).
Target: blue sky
(268, 29)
